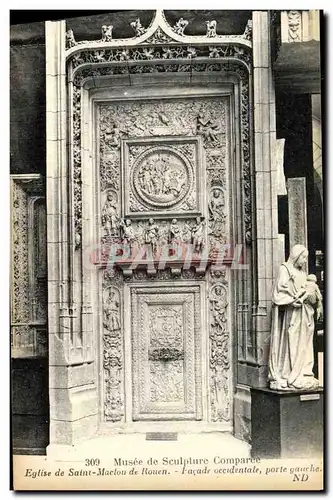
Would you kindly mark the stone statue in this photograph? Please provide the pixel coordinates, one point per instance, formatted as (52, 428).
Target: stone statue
(110, 220)
(296, 299)
(198, 234)
(70, 39)
(128, 232)
(175, 232)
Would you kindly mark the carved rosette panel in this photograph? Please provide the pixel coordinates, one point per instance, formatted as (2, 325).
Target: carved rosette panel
(166, 352)
(220, 354)
(113, 362)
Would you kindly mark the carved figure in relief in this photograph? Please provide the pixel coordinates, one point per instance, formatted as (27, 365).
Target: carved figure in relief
(198, 234)
(164, 119)
(137, 27)
(209, 129)
(107, 33)
(211, 28)
(180, 26)
(111, 319)
(294, 25)
(175, 232)
(248, 30)
(152, 234)
(110, 219)
(216, 208)
(295, 302)
(128, 232)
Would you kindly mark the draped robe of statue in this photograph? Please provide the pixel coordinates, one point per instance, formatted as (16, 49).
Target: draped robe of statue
(293, 323)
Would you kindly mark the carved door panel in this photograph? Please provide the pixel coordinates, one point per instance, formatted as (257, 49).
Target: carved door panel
(163, 180)
(166, 353)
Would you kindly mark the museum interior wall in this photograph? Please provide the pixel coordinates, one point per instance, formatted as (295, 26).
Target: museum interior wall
(80, 387)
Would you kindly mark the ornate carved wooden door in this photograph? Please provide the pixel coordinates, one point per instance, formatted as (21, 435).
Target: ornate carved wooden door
(163, 167)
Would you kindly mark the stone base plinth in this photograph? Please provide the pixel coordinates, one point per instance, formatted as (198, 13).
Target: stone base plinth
(286, 424)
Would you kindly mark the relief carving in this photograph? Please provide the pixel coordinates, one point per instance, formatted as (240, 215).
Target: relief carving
(219, 351)
(210, 129)
(211, 28)
(294, 25)
(167, 378)
(70, 40)
(112, 355)
(109, 217)
(161, 178)
(137, 27)
(107, 33)
(159, 37)
(180, 26)
(248, 30)
(28, 267)
(217, 216)
(166, 381)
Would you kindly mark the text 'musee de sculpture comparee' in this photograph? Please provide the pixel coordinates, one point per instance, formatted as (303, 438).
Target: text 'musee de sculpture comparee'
(297, 303)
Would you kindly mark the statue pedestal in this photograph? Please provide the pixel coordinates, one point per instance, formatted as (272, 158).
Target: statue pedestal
(287, 424)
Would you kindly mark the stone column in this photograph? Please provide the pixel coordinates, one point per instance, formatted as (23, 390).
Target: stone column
(72, 389)
(266, 186)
